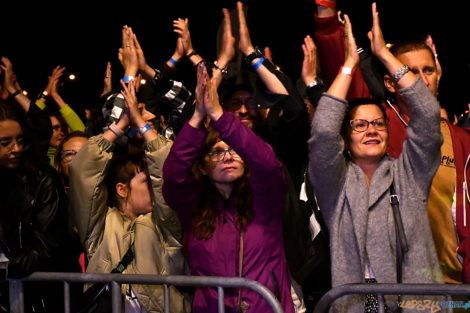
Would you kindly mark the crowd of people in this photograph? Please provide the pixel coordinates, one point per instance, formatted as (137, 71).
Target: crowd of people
(352, 174)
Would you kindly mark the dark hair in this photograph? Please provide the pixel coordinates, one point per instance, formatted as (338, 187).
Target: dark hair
(354, 104)
(31, 158)
(204, 218)
(62, 122)
(410, 45)
(121, 170)
(60, 148)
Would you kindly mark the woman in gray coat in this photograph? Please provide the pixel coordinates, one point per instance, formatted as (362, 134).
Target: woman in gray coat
(354, 191)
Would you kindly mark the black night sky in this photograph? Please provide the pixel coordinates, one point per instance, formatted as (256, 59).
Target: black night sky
(83, 36)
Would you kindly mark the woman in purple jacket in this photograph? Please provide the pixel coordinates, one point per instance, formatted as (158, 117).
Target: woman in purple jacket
(228, 188)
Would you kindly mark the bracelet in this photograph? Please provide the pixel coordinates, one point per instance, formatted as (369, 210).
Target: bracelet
(173, 61)
(326, 3)
(115, 129)
(400, 73)
(144, 129)
(346, 70)
(17, 92)
(257, 64)
(189, 55)
(222, 69)
(127, 79)
(314, 83)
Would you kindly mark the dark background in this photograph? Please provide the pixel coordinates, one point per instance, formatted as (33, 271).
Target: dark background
(83, 36)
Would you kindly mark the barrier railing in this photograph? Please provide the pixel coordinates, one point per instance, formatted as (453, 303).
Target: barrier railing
(16, 287)
(390, 289)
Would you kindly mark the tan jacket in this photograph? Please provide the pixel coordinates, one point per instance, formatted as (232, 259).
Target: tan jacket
(107, 234)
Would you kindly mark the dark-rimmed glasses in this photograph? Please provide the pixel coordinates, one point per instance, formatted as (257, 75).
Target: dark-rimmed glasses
(219, 154)
(360, 125)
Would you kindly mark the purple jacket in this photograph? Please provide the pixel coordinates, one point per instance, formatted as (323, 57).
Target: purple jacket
(263, 259)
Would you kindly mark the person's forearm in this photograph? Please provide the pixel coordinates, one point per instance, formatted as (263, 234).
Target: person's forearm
(393, 65)
(71, 118)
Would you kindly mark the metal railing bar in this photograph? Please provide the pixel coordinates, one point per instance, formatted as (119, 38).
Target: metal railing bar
(66, 297)
(16, 296)
(177, 280)
(220, 299)
(166, 298)
(116, 297)
(390, 289)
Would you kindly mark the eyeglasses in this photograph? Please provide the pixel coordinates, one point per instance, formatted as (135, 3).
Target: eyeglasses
(67, 155)
(236, 103)
(219, 154)
(360, 125)
(9, 143)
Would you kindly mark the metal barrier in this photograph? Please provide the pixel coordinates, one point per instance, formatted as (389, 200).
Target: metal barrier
(389, 289)
(16, 287)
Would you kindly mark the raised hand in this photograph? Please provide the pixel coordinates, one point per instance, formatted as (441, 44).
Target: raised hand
(351, 56)
(128, 53)
(227, 47)
(377, 42)
(9, 80)
(181, 27)
(207, 94)
(128, 92)
(245, 45)
(57, 72)
(11, 85)
(310, 62)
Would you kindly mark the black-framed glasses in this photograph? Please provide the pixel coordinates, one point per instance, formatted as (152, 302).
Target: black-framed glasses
(217, 155)
(9, 143)
(236, 103)
(67, 155)
(360, 125)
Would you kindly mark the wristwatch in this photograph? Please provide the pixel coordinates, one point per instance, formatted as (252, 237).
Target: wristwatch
(254, 55)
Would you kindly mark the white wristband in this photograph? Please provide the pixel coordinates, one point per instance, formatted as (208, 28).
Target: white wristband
(346, 70)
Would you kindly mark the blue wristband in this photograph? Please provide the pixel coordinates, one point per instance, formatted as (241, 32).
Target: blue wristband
(258, 63)
(132, 132)
(173, 61)
(144, 129)
(127, 79)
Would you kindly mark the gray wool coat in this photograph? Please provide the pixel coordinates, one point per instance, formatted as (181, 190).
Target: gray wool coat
(359, 217)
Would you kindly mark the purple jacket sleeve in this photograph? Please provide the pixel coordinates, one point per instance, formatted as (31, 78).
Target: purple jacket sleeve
(180, 188)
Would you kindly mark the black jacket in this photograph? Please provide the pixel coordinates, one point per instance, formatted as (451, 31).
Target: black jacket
(34, 230)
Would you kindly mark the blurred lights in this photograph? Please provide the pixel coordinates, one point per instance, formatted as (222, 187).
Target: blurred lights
(388, 45)
(25, 92)
(143, 81)
(72, 76)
